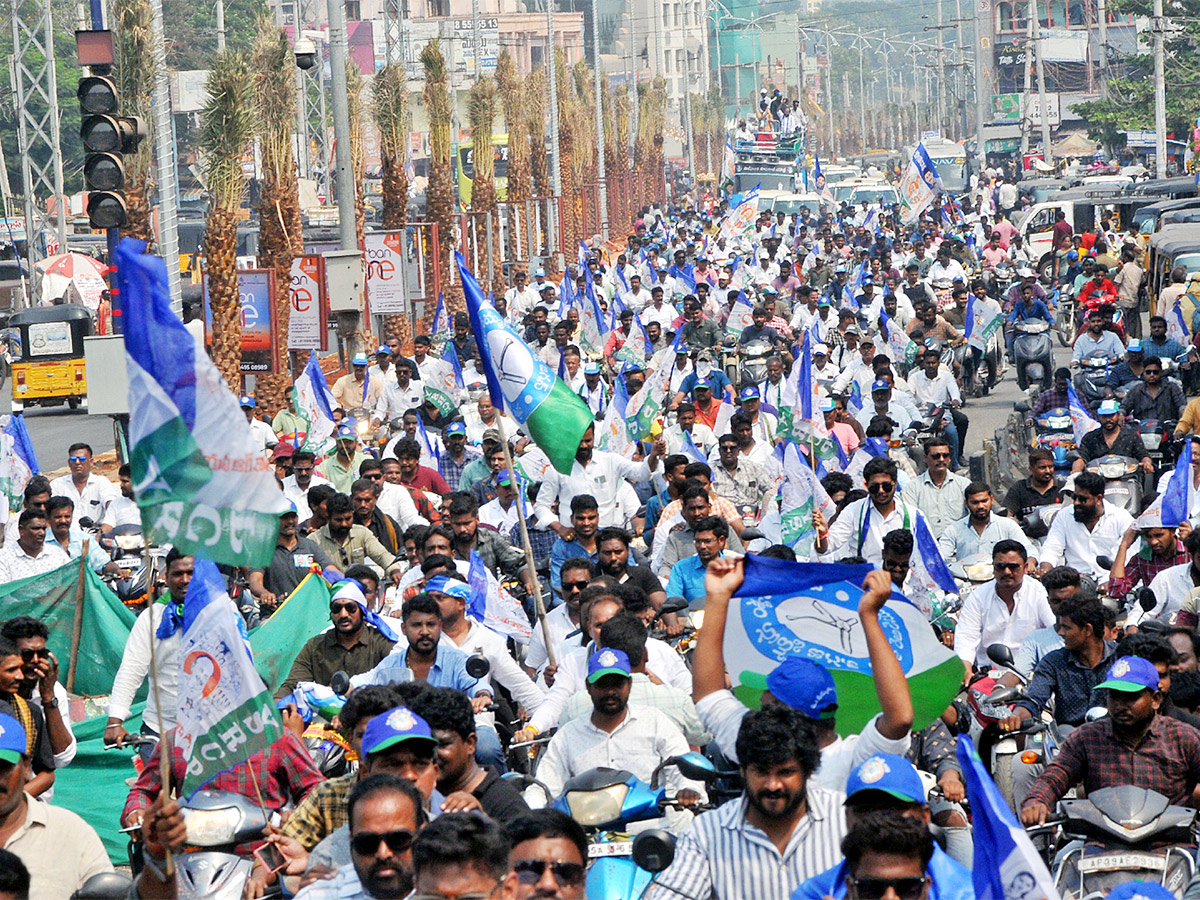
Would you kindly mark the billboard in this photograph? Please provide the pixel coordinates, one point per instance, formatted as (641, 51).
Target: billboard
(310, 305)
(385, 276)
(260, 337)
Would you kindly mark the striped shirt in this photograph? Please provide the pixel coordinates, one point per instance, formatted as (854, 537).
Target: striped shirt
(724, 857)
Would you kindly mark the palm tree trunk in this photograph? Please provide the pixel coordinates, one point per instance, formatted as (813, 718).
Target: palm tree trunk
(390, 111)
(439, 194)
(520, 189)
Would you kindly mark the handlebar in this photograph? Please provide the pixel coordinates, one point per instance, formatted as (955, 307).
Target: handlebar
(544, 739)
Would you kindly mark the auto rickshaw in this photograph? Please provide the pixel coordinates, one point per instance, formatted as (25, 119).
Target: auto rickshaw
(1171, 246)
(50, 368)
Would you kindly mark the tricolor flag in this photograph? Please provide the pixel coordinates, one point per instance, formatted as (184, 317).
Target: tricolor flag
(314, 403)
(18, 462)
(787, 609)
(1175, 498)
(689, 449)
(1081, 420)
(741, 316)
(1176, 326)
(920, 183)
(740, 217)
(226, 714)
(1006, 863)
(443, 325)
(819, 184)
(728, 162)
(904, 349)
(492, 606)
(647, 404)
(200, 481)
(521, 384)
(978, 328)
(802, 493)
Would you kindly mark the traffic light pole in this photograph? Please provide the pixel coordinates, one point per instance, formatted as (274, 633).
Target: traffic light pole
(112, 235)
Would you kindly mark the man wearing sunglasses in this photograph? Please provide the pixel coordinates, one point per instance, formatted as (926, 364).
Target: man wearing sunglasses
(40, 686)
(885, 793)
(91, 492)
(549, 856)
(860, 528)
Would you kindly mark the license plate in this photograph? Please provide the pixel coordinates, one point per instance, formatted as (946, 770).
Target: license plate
(624, 848)
(1113, 861)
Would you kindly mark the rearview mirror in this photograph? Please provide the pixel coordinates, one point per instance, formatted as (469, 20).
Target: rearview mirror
(694, 766)
(654, 850)
(1146, 599)
(1104, 562)
(340, 683)
(1001, 655)
(477, 666)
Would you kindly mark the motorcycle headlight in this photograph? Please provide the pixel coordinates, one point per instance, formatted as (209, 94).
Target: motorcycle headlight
(697, 619)
(591, 809)
(1111, 470)
(979, 572)
(131, 543)
(1152, 441)
(363, 427)
(211, 827)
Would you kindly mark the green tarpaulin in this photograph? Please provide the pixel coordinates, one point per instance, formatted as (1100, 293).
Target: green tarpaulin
(94, 785)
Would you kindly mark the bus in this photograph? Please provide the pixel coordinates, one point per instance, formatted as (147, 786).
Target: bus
(950, 160)
(462, 161)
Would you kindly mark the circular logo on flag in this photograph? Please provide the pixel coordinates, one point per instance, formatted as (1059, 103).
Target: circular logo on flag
(608, 658)
(1120, 668)
(401, 719)
(872, 770)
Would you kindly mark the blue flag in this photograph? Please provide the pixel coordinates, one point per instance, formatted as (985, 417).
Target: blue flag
(689, 449)
(1175, 497)
(477, 578)
(18, 462)
(450, 355)
(1005, 861)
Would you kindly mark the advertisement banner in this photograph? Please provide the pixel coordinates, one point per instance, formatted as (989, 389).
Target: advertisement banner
(310, 305)
(385, 278)
(260, 337)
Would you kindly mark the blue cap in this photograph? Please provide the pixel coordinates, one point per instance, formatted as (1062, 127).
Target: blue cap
(828, 404)
(455, 428)
(247, 402)
(880, 385)
(1131, 674)
(360, 359)
(607, 661)
(824, 301)
(867, 279)
(383, 350)
(451, 586)
(13, 742)
(540, 273)
(805, 686)
(504, 477)
(749, 393)
(591, 368)
(1135, 346)
(1072, 255)
(1109, 408)
(1139, 890)
(345, 432)
(393, 727)
(888, 773)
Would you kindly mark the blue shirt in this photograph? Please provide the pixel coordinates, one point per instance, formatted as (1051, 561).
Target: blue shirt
(1168, 349)
(687, 579)
(449, 670)
(948, 880)
(654, 508)
(716, 380)
(97, 558)
(1037, 310)
(561, 552)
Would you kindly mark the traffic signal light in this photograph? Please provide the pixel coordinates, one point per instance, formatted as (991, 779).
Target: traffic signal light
(106, 137)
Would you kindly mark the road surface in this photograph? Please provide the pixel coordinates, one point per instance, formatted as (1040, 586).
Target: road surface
(54, 429)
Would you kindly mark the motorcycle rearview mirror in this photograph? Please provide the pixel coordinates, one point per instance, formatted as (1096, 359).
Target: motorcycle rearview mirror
(1022, 407)
(112, 886)
(654, 850)
(694, 766)
(1104, 562)
(478, 666)
(1146, 599)
(87, 523)
(750, 533)
(1096, 712)
(1005, 696)
(340, 683)
(1001, 655)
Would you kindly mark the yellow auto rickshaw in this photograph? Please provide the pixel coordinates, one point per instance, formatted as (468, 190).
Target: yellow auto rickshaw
(49, 370)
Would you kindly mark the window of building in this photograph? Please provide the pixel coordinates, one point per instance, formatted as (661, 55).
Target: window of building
(353, 11)
(439, 8)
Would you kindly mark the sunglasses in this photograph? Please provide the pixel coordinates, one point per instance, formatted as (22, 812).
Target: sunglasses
(366, 843)
(574, 585)
(876, 888)
(1007, 567)
(939, 455)
(78, 458)
(343, 607)
(567, 874)
(880, 488)
(29, 655)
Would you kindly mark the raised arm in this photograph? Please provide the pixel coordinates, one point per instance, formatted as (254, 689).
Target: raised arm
(891, 685)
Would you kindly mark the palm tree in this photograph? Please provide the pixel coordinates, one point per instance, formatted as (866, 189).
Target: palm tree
(134, 72)
(481, 110)
(647, 154)
(358, 153)
(389, 108)
(226, 131)
(512, 99)
(281, 237)
(566, 152)
(439, 194)
(536, 92)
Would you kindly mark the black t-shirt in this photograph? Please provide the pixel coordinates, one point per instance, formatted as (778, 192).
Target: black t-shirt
(499, 799)
(1022, 499)
(642, 579)
(1128, 443)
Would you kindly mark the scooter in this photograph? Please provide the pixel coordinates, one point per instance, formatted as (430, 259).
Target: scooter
(1033, 354)
(1122, 834)
(1091, 379)
(1054, 431)
(1158, 439)
(217, 822)
(1124, 485)
(605, 800)
(753, 366)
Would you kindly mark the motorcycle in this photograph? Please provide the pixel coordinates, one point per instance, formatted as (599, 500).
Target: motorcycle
(605, 800)
(1092, 379)
(1158, 439)
(1053, 431)
(1122, 834)
(753, 366)
(217, 822)
(1065, 325)
(1124, 480)
(126, 546)
(1033, 355)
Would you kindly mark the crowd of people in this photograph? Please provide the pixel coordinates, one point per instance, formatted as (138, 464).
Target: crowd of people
(637, 536)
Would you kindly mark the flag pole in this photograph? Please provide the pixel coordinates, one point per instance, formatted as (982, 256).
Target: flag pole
(538, 603)
(166, 747)
(77, 625)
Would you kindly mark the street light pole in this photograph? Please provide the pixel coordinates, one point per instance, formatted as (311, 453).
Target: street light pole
(602, 187)
(1047, 150)
(338, 57)
(552, 63)
(1160, 96)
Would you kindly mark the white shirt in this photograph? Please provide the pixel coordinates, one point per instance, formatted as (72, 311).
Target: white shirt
(722, 713)
(702, 437)
(16, 564)
(601, 478)
(985, 620)
(844, 534)
(895, 411)
(505, 670)
(299, 495)
(396, 401)
(1171, 588)
(1072, 544)
(952, 271)
(939, 390)
(638, 745)
(121, 511)
(561, 628)
(492, 513)
(92, 501)
(397, 502)
(262, 434)
(135, 666)
(664, 316)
